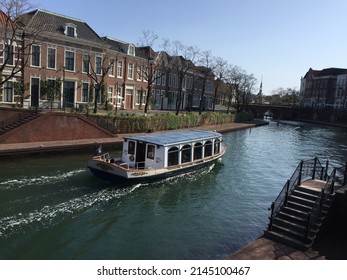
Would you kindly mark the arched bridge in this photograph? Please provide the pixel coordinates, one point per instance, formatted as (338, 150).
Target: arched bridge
(281, 112)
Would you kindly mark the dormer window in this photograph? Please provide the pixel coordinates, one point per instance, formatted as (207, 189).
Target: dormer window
(70, 30)
(131, 50)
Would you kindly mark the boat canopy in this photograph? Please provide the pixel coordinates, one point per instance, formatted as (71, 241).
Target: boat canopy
(170, 138)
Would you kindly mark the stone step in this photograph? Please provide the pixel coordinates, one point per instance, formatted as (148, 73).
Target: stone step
(287, 240)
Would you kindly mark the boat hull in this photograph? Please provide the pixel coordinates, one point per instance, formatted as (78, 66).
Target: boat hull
(144, 176)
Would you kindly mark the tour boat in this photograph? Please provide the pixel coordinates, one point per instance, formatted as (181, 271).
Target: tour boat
(159, 155)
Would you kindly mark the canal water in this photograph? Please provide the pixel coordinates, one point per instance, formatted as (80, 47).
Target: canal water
(52, 207)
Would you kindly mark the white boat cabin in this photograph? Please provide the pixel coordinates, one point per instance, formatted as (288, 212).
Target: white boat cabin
(163, 150)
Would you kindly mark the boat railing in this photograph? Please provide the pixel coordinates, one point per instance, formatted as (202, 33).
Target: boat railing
(103, 157)
(141, 165)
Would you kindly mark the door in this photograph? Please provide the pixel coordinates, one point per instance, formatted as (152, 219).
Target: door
(69, 94)
(34, 91)
(140, 154)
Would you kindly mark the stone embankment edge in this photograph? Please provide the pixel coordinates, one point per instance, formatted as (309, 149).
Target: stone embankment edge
(84, 144)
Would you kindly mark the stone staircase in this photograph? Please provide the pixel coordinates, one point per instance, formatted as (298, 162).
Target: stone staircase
(16, 121)
(294, 224)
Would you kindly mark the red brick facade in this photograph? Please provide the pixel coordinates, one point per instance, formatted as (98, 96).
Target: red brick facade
(54, 127)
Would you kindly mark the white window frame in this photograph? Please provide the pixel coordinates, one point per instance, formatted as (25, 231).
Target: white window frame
(131, 50)
(120, 69)
(55, 57)
(31, 58)
(130, 71)
(98, 71)
(74, 60)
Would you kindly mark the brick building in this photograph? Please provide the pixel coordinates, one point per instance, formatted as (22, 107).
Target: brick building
(70, 65)
(324, 88)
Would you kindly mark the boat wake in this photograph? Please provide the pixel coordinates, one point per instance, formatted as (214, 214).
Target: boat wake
(16, 184)
(53, 214)
(191, 176)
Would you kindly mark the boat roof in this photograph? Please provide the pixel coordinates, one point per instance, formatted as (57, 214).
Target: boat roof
(175, 137)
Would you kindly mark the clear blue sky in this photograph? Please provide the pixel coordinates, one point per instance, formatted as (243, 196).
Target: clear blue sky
(277, 39)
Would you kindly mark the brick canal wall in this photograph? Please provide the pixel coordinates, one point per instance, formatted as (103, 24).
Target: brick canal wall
(55, 127)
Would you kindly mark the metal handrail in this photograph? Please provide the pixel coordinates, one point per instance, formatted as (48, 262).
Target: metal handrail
(308, 169)
(338, 175)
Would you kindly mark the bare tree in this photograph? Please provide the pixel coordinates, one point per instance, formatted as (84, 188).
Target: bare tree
(16, 51)
(182, 60)
(207, 64)
(148, 38)
(155, 64)
(98, 70)
(220, 73)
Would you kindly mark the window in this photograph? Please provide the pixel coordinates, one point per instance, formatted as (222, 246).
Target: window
(35, 55)
(158, 78)
(163, 79)
(186, 153)
(131, 147)
(131, 50)
(150, 151)
(85, 63)
(156, 94)
(120, 69)
(98, 65)
(141, 96)
(8, 92)
(139, 73)
(197, 151)
(111, 70)
(53, 87)
(8, 54)
(145, 74)
(51, 58)
(172, 157)
(70, 30)
(208, 148)
(110, 94)
(174, 80)
(85, 92)
(170, 80)
(216, 146)
(130, 71)
(69, 60)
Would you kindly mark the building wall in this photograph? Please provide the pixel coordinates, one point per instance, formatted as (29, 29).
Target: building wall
(130, 88)
(54, 127)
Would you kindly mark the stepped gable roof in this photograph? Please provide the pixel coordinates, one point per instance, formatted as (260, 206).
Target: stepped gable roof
(55, 23)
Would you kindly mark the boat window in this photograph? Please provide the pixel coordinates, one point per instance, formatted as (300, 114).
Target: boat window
(208, 148)
(197, 151)
(150, 151)
(172, 156)
(186, 153)
(216, 146)
(131, 147)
